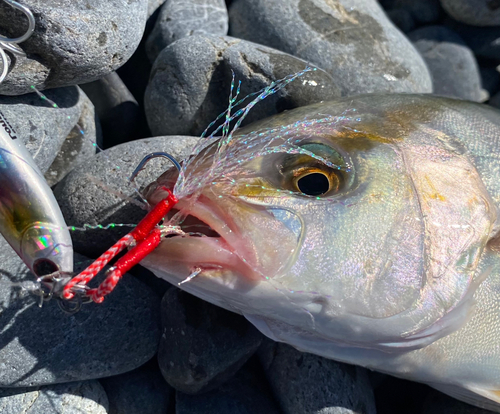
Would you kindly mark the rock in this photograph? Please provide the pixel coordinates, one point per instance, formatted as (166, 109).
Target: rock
(439, 403)
(490, 79)
(79, 145)
(453, 67)
(41, 346)
(73, 398)
(117, 109)
(396, 395)
(484, 41)
(245, 393)
(181, 18)
(191, 81)
(495, 100)
(44, 128)
(422, 11)
(306, 383)
(402, 19)
(352, 40)
(97, 192)
(202, 345)
(474, 12)
(142, 391)
(75, 41)
(153, 6)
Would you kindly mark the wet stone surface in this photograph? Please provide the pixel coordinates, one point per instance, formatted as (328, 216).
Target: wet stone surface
(86, 397)
(40, 346)
(191, 80)
(181, 18)
(202, 345)
(75, 41)
(353, 41)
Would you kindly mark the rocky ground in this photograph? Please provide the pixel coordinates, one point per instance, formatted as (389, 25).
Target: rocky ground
(138, 76)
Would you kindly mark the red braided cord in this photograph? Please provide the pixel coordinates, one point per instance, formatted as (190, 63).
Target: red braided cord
(129, 260)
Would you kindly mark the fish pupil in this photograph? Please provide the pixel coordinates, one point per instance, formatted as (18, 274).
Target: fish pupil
(313, 184)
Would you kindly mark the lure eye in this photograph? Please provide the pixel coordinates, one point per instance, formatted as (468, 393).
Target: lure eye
(315, 182)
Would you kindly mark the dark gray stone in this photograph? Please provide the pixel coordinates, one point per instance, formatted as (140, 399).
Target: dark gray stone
(422, 11)
(245, 393)
(73, 398)
(43, 128)
(453, 67)
(41, 346)
(181, 18)
(353, 40)
(191, 80)
(308, 384)
(75, 41)
(202, 345)
(439, 403)
(474, 12)
(490, 79)
(495, 100)
(97, 192)
(117, 109)
(142, 391)
(402, 19)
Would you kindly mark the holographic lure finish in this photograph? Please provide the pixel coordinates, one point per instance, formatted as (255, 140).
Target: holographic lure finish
(364, 230)
(30, 218)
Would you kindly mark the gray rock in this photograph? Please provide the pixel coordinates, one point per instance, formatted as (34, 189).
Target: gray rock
(181, 18)
(41, 346)
(245, 393)
(43, 128)
(202, 345)
(75, 41)
(305, 383)
(98, 192)
(117, 109)
(423, 11)
(74, 398)
(153, 6)
(490, 79)
(402, 19)
(439, 403)
(474, 12)
(79, 145)
(453, 67)
(191, 80)
(495, 100)
(142, 391)
(484, 41)
(353, 40)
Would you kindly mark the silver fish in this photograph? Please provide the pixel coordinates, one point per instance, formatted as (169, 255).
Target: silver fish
(362, 230)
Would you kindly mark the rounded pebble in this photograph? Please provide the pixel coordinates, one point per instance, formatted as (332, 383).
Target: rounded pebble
(191, 81)
(352, 40)
(73, 398)
(202, 345)
(309, 384)
(43, 128)
(453, 67)
(98, 193)
(181, 18)
(75, 41)
(142, 391)
(422, 11)
(42, 346)
(245, 393)
(474, 12)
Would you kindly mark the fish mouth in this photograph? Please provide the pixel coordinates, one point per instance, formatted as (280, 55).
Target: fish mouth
(212, 243)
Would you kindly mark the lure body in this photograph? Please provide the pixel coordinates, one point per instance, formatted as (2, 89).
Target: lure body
(30, 218)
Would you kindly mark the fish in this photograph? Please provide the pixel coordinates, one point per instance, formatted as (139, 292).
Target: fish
(364, 230)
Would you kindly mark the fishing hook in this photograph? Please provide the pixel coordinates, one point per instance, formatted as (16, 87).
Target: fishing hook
(10, 44)
(149, 157)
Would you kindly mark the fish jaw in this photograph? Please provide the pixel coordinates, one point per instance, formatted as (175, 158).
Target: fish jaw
(242, 248)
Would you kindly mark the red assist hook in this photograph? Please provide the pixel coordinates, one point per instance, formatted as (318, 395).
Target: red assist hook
(146, 236)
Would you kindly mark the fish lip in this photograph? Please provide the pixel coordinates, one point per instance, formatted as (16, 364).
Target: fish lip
(237, 252)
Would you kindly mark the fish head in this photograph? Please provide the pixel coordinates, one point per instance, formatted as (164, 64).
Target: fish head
(357, 222)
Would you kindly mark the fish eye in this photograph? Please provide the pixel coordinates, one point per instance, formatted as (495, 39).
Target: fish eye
(315, 182)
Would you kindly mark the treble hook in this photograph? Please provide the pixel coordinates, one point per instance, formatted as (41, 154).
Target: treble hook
(10, 44)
